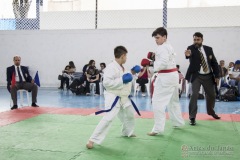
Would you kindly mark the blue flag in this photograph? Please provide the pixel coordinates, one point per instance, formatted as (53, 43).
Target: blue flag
(36, 79)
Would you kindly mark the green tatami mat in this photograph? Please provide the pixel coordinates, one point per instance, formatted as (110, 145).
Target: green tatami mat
(63, 137)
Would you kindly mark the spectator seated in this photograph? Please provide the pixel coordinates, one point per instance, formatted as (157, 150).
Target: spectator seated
(92, 75)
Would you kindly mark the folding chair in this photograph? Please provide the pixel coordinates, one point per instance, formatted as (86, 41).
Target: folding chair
(147, 85)
(21, 97)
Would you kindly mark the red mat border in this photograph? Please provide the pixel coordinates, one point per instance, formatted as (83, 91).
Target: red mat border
(9, 117)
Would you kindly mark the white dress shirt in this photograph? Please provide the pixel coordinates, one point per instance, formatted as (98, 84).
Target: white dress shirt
(16, 74)
(205, 57)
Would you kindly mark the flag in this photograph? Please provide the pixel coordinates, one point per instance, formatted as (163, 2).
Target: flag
(36, 79)
(13, 82)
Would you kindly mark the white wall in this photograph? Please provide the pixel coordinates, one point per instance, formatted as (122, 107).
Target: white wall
(50, 51)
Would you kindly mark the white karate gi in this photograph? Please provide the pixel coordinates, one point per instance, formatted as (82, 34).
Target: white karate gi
(114, 86)
(166, 89)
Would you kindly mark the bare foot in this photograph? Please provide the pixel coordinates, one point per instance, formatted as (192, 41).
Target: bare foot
(152, 134)
(133, 135)
(89, 145)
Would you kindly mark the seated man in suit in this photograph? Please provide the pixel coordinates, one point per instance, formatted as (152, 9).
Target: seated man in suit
(22, 81)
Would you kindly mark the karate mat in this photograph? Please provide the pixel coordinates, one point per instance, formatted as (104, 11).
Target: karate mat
(61, 134)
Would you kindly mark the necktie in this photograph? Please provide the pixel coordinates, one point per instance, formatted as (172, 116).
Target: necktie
(203, 62)
(19, 75)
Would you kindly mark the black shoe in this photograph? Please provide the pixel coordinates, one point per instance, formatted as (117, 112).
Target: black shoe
(60, 88)
(34, 105)
(14, 107)
(73, 90)
(215, 116)
(192, 121)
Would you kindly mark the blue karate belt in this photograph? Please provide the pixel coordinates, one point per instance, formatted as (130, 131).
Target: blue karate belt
(114, 104)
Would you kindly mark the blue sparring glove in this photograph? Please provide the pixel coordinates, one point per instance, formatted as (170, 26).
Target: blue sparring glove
(136, 69)
(127, 78)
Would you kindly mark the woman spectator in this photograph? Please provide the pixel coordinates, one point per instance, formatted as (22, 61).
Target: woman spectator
(92, 75)
(66, 74)
(85, 68)
(72, 67)
(90, 63)
(101, 71)
(143, 76)
(64, 78)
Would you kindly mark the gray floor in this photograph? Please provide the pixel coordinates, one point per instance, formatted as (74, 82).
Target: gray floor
(52, 97)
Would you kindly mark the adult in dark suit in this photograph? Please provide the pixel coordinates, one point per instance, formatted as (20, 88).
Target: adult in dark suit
(203, 70)
(23, 81)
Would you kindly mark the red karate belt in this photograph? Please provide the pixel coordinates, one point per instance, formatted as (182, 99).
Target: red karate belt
(161, 71)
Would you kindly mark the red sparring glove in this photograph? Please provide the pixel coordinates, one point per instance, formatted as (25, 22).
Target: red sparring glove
(145, 62)
(151, 55)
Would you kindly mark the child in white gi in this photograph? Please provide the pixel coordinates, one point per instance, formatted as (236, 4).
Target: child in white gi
(165, 92)
(117, 102)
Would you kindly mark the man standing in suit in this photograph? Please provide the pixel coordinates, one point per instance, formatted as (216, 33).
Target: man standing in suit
(203, 70)
(23, 81)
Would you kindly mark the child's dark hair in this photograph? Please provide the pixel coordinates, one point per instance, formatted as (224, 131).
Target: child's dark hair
(161, 31)
(119, 51)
